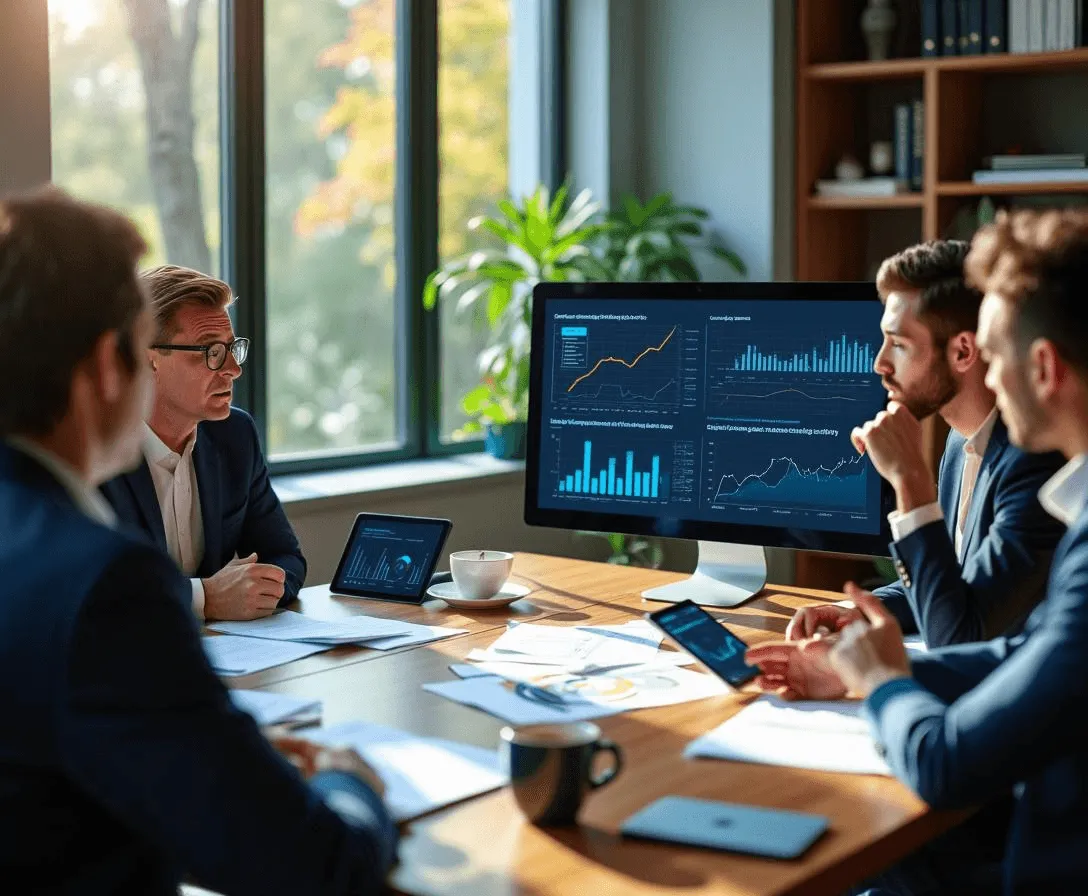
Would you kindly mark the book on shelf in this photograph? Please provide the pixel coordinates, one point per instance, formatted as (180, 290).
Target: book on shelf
(1032, 176)
(866, 186)
(1016, 162)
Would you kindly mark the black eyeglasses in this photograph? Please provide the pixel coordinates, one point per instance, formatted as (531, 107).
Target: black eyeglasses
(215, 353)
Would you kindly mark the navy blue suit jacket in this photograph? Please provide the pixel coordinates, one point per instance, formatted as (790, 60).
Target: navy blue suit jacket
(241, 512)
(123, 765)
(979, 721)
(1008, 543)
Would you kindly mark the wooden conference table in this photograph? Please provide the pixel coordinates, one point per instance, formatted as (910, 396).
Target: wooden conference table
(484, 848)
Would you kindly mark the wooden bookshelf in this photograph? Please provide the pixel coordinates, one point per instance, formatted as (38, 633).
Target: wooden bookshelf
(843, 103)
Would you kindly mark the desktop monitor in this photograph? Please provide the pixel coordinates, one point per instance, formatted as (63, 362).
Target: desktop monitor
(714, 411)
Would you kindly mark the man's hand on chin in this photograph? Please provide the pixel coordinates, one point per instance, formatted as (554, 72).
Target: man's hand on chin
(893, 440)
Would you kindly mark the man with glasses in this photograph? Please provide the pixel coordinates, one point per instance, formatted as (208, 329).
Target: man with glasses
(203, 492)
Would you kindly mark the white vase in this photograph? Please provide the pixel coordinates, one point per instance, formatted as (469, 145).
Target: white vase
(877, 24)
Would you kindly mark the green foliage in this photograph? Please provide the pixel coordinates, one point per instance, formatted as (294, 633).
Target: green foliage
(557, 239)
(630, 550)
(546, 239)
(655, 241)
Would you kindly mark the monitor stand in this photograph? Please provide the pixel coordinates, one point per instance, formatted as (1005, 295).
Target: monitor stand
(726, 575)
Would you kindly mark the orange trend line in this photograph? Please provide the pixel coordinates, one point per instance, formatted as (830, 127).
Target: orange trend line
(641, 355)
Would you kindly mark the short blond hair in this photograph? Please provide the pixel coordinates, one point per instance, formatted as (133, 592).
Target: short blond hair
(171, 288)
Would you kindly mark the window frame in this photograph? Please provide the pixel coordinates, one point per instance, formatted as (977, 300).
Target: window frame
(243, 176)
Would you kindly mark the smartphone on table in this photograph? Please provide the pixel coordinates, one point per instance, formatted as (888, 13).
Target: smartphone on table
(710, 642)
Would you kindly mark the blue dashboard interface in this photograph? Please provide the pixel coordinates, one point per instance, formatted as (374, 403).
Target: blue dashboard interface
(729, 411)
(390, 556)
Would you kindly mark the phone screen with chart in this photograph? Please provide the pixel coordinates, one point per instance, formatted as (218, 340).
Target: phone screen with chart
(710, 642)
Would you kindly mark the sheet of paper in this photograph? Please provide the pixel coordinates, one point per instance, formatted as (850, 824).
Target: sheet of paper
(416, 634)
(574, 696)
(500, 698)
(288, 625)
(274, 709)
(575, 646)
(420, 774)
(830, 736)
(235, 655)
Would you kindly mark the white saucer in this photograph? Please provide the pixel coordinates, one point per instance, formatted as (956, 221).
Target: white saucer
(448, 592)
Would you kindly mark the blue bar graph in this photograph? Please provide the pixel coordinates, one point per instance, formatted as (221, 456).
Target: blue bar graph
(627, 482)
(842, 356)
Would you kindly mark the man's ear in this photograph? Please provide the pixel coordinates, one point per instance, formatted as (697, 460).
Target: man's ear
(1046, 369)
(107, 369)
(962, 351)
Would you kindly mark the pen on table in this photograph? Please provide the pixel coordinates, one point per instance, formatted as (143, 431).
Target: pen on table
(539, 695)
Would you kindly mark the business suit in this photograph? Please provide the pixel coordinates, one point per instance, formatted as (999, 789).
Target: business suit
(240, 511)
(1008, 542)
(980, 720)
(124, 765)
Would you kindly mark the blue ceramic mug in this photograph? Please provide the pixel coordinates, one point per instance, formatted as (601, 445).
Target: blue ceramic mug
(551, 768)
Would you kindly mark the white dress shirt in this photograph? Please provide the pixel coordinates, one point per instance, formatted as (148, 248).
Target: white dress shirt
(974, 449)
(1066, 492)
(87, 498)
(174, 476)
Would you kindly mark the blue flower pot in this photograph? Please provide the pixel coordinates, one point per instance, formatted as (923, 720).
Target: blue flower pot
(506, 441)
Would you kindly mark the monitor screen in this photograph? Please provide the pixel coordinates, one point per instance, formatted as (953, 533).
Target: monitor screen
(713, 411)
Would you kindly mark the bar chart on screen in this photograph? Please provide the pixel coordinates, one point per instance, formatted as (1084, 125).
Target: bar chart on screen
(646, 470)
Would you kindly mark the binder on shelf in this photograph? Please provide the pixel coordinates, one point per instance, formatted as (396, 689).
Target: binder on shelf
(995, 24)
(1036, 25)
(902, 119)
(1018, 26)
(931, 27)
(1067, 24)
(971, 27)
(950, 32)
(1051, 23)
(917, 142)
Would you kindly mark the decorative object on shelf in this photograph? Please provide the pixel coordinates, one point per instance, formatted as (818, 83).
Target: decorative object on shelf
(849, 168)
(878, 24)
(881, 157)
(557, 239)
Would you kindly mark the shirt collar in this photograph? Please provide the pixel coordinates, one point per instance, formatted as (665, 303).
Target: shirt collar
(87, 498)
(156, 450)
(978, 442)
(1066, 492)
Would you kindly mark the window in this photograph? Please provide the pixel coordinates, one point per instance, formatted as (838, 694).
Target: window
(354, 106)
(473, 134)
(330, 111)
(108, 87)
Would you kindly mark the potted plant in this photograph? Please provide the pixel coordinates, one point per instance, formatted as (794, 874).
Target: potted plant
(555, 238)
(546, 238)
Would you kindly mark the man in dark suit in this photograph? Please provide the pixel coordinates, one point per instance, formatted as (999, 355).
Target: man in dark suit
(123, 765)
(964, 724)
(202, 492)
(972, 553)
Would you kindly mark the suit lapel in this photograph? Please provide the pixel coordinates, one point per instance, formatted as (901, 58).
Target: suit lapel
(951, 480)
(206, 464)
(999, 441)
(142, 487)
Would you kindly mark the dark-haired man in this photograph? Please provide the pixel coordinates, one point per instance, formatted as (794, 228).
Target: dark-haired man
(973, 552)
(965, 724)
(123, 765)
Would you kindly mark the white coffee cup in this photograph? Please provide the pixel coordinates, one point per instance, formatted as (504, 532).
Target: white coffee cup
(480, 575)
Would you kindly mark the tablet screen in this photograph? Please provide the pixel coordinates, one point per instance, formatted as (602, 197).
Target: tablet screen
(390, 556)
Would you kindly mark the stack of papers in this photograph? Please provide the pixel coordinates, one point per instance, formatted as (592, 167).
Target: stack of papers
(829, 736)
(288, 625)
(250, 646)
(574, 647)
(233, 655)
(276, 709)
(420, 774)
